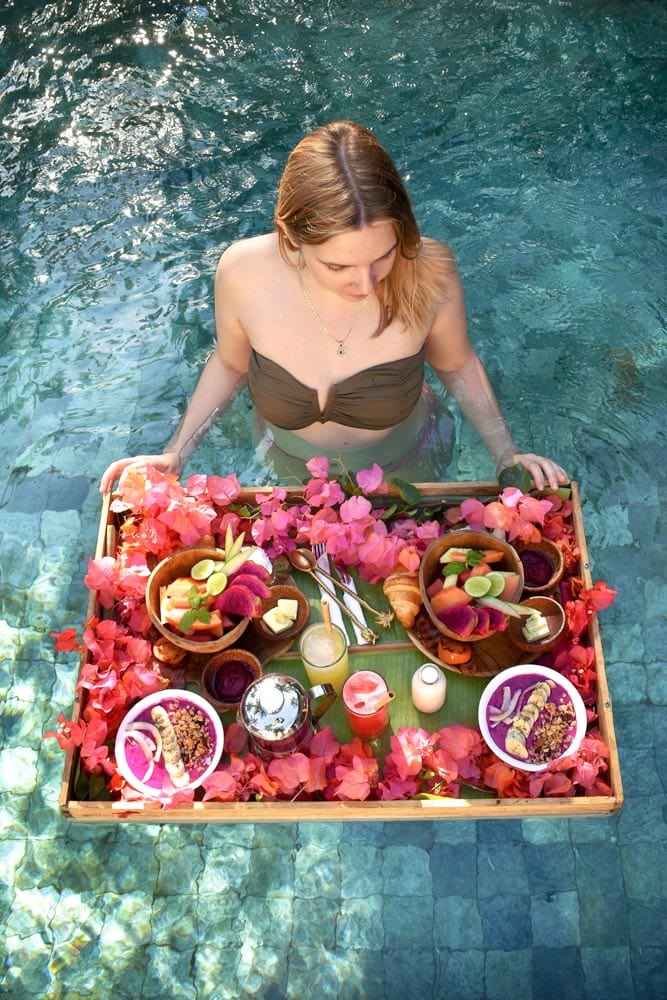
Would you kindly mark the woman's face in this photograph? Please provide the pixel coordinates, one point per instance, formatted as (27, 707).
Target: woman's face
(351, 264)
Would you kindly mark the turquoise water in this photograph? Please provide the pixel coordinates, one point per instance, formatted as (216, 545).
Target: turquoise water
(138, 140)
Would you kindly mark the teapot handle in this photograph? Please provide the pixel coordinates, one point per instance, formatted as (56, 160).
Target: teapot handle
(327, 694)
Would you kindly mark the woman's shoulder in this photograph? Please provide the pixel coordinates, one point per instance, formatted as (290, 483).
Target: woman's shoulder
(248, 256)
(438, 255)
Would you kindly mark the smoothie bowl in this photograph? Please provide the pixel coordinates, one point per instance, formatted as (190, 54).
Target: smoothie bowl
(531, 716)
(169, 740)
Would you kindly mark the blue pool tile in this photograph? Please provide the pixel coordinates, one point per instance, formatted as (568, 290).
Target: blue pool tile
(271, 873)
(649, 972)
(558, 974)
(550, 870)
(331, 975)
(360, 869)
(219, 917)
(506, 921)
(408, 921)
(315, 920)
(643, 820)
(406, 871)
(418, 834)
(264, 969)
(455, 832)
(555, 920)
(317, 872)
(214, 970)
(409, 972)
(545, 831)
(607, 973)
(647, 920)
(504, 970)
(460, 974)
(458, 924)
(454, 869)
(507, 831)
(598, 868)
(360, 924)
(501, 868)
(603, 918)
(645, 870)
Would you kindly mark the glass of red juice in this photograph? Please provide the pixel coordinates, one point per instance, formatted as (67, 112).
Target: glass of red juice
(361, 691)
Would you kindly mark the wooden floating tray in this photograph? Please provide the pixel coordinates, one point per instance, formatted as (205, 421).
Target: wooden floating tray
(396, 656)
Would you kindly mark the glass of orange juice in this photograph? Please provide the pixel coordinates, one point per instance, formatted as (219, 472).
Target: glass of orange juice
(323, 649)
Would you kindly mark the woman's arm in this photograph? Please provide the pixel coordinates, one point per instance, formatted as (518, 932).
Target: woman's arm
(452, 357)
(222, 379)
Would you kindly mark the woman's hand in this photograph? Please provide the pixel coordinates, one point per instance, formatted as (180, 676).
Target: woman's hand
(168, 462)
(542, 470)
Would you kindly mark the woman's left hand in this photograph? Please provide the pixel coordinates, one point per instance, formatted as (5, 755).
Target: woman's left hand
(543, 470)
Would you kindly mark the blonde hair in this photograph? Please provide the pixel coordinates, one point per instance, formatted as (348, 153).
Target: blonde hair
(339, 178)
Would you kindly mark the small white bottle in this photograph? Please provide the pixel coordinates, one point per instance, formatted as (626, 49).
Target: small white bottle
(429, 688)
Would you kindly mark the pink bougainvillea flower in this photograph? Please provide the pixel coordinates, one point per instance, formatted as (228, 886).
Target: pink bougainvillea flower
(68, 734)
(67, 641)
(372, 480)
(318, 467)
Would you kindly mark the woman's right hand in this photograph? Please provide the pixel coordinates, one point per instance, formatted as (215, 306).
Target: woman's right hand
(168, 462)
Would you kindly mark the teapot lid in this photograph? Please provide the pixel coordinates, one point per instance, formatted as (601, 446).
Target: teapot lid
(274, 706)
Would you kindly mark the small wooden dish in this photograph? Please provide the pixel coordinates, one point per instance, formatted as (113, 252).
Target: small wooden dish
(212, 682)
(179, 564)
(555, 616)
(553, 555)
(430, 568)
(282, 592)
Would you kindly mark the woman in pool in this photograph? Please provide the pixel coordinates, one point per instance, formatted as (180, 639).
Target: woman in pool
(329, 320)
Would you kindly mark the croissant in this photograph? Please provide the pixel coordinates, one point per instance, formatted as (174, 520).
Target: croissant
(403, 593)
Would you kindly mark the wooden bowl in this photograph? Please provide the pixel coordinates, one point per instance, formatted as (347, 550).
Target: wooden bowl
(555, 616)
(179, 564)
(282, 591)
(226, 676)
(552, 555)
(430, 568)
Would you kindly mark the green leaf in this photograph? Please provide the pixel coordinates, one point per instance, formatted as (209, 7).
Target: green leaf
(407, 491)
(453, 568)
(97, 788)
(474, 558)
(192, 616)
(389, 512)
(517, 476)
(194, 597)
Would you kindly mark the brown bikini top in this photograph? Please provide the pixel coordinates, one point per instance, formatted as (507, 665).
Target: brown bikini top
(374, 399)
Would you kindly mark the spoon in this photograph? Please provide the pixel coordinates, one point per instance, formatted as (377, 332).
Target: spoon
(306, 561)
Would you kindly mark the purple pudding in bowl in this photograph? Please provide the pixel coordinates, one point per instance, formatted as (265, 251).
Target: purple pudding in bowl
(226, 676)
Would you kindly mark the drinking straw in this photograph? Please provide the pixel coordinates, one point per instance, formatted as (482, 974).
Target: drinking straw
(326, 614)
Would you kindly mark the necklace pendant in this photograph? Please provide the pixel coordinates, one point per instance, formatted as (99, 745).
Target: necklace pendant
(341, 351)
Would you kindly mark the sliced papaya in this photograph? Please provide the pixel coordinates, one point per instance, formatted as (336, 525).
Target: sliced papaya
(449, 597)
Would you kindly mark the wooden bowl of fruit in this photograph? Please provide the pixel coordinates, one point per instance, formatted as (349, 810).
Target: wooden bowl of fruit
(201, 599)
(469, 583)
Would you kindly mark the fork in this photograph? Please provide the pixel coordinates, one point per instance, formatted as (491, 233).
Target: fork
(350, 595)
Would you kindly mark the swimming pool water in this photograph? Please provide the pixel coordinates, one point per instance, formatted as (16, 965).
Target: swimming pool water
(138, 140)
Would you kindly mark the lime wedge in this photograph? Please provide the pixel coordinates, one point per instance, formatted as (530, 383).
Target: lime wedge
(477, 586)
(216, 583)
(202, 570)
(497, 581)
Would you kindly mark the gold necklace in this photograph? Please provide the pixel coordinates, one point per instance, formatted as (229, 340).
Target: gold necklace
(340, 350)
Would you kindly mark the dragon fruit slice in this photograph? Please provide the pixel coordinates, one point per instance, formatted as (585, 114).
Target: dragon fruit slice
(252, 583)
(459, 618)
(238, 601)
(250, 568)
(483, 626)
(497, 620)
